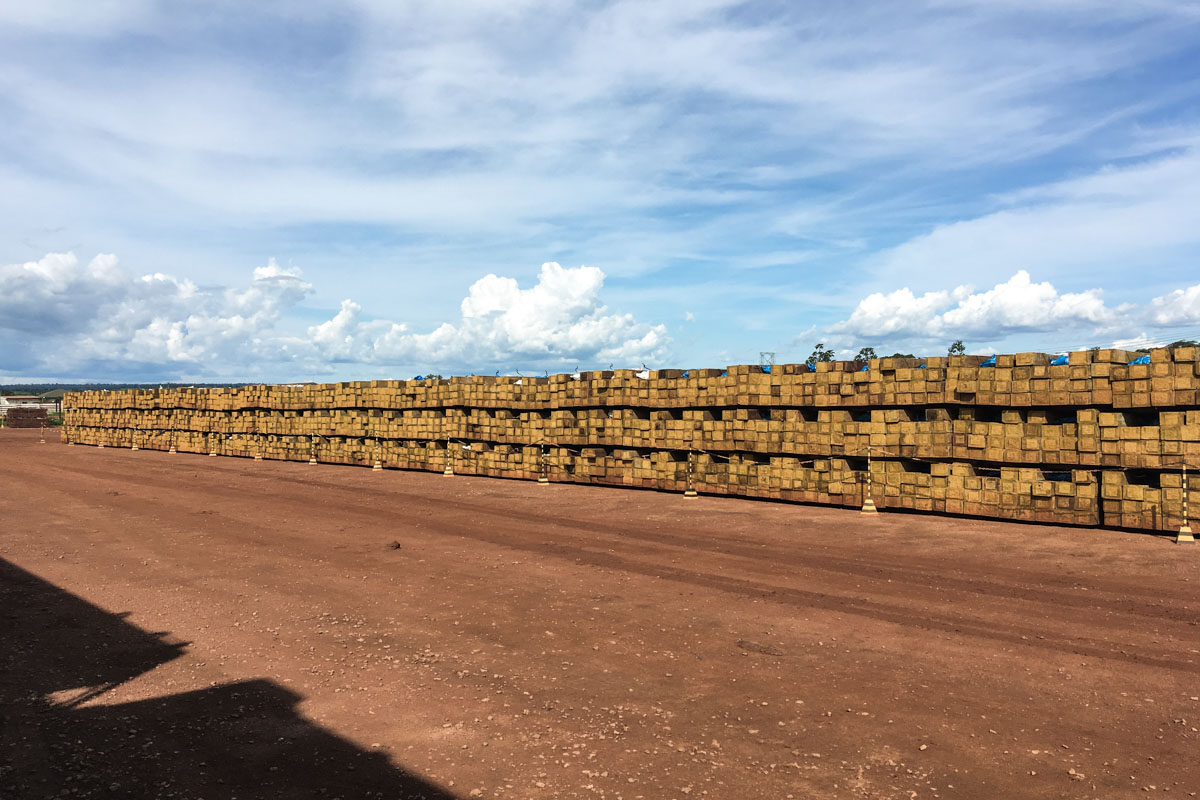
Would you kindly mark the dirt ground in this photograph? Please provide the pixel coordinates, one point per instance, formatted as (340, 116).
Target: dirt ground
(185, 626)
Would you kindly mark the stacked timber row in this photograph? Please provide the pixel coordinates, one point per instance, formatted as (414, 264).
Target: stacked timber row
(1094, 441)
(26, 418)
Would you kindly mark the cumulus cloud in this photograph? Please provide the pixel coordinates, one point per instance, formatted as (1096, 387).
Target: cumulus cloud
(1016, 306)
(1180, 307)
(558, 320)
(1022, 305)
(58, 316)
(899, 312)
(1134, 342)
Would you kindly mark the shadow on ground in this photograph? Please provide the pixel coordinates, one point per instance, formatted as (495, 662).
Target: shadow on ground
(242, 740)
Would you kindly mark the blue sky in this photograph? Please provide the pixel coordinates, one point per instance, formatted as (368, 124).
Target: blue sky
(332, 191)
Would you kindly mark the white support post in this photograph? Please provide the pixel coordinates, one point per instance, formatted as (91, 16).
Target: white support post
(868, 506)
(689, 490)
(1185, 531)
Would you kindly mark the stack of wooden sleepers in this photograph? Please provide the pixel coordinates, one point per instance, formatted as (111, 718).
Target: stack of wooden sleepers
(1093, 441)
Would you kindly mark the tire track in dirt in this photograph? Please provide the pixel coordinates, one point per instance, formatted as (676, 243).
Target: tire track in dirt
(617, 538)
(1156, 604)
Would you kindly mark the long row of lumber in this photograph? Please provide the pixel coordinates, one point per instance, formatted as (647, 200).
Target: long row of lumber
(1094, 441)
(1091, 438)
(1099, 378)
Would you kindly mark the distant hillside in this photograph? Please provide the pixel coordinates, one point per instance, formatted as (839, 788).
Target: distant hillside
(42, 388)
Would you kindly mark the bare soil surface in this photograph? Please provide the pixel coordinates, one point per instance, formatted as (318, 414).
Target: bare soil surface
(185, 626)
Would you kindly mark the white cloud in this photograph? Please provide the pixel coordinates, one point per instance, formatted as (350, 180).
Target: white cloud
(1180, 307)
(1134, 342)
(57, 316)
(900, 312)
(1021, 305)
(1016, 306)
(559, 320)
(459, 116)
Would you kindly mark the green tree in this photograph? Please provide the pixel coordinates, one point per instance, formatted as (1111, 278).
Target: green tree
(819, 353)
(865, 355)
(902, 355)
(958, 348)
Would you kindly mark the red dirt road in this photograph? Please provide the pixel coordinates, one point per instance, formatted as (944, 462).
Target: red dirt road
(184, 626)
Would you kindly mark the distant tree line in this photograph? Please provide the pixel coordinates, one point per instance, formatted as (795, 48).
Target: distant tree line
(821, 353)
(41, 388)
